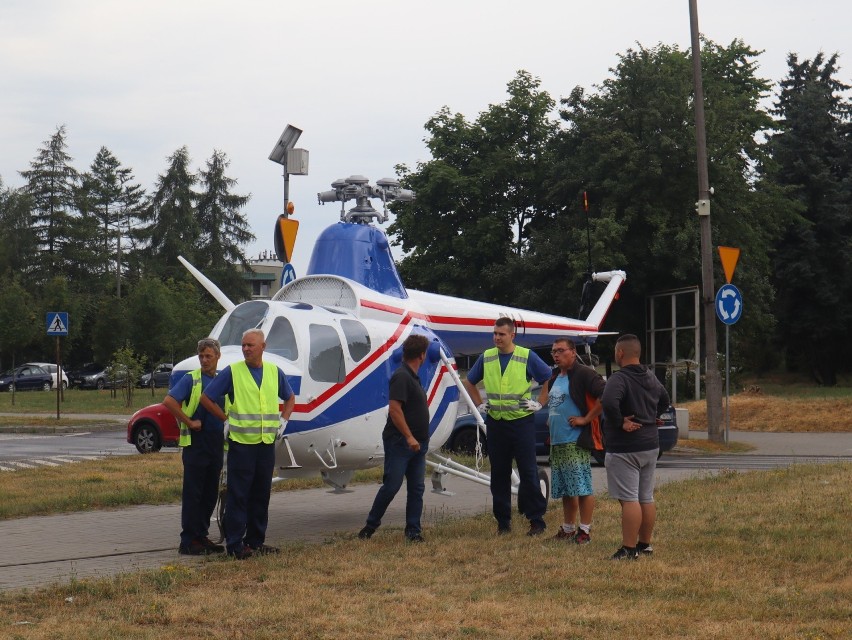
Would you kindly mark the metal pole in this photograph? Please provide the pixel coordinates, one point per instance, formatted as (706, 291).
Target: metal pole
(58, 378)
(712, 378)
(727, 381)
(286, 190)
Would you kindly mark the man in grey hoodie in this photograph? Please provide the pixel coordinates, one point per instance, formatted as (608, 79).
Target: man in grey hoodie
(632, 400)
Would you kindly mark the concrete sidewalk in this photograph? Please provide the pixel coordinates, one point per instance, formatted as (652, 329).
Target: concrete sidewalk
(41, 550)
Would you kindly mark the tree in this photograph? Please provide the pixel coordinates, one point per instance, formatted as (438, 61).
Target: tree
(51, 183)
(479, 196)
(113, 199)
(17, 319)
(18, 242)
(171, 224)
(631, 147)
(224, 229)
(811, 157)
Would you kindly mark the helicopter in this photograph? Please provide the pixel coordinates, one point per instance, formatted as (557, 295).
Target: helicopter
(337, 333)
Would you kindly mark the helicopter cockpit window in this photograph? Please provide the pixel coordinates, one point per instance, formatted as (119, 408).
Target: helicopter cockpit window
(282, 339)
(245, 316)
(326, 361)
(357, 338)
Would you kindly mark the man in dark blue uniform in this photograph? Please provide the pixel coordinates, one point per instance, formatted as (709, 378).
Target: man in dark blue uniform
(202, 441)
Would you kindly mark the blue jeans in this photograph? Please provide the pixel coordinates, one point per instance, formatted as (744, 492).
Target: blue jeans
(401, 462)
(507, 440)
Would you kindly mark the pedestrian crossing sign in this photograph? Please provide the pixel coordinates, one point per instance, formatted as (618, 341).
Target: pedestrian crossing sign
(57, 323)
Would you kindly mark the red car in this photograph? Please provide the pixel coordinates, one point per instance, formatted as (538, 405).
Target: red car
(152, 428)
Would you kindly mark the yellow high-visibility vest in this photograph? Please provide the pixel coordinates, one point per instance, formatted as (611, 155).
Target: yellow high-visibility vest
(254, 415)
(189, 407)
(507, 388)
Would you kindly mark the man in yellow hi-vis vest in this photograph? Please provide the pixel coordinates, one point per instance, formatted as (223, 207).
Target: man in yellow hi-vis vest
(506, 371)
(254, 422)
(201, 441)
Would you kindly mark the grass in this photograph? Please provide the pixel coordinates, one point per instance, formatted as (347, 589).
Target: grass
(118, 481)
(729, 563)
(758, 411)
(78, 401)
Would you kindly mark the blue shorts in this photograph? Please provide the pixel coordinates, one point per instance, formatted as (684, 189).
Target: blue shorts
(570, 471)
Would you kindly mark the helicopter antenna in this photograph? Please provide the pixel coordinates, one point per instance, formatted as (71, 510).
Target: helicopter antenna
(358, 188)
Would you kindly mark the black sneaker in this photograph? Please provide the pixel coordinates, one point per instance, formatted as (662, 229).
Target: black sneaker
(536, 528)
(241, 554)
(194, 548)
(414, 537)
(625, 553)
(366, 533)
(263, 550)
(210, 546)
(645, 549)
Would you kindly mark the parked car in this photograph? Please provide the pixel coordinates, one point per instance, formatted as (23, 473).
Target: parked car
(463, 436)
(152, 428)
(89, 376)
(53, 370)
(159, 377)
(97, 376)
(26, 377)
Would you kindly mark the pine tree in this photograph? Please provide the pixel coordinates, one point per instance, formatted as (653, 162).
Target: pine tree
(172, 227)
(113, 199)
(51, 184)
(811, 156)
(224, 229)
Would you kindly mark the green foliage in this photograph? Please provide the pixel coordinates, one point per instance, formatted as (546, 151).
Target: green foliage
(480, 196)
(51, 183)
(811, 157)
(17, 320)
(127, 365)
(173, 228)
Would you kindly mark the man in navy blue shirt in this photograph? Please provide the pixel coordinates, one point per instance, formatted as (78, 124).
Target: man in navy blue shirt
(202, 442)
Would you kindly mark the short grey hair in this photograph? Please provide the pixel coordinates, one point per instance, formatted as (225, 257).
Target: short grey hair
(209, 343)
(255, 331)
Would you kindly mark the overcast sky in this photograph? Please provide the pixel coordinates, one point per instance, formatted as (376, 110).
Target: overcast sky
(144, 78)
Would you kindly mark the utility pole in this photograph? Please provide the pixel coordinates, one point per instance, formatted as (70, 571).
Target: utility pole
(712, 377)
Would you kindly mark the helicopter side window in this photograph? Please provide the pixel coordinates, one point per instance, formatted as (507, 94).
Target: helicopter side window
(282, 339)
(248, 315)
(357, 338)
(326, 361)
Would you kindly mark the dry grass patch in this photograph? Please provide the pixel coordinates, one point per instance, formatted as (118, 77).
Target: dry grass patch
(118, 481)
(728, 564)
(771, 414)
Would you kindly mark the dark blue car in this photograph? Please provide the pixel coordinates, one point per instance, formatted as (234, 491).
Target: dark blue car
(463, 437)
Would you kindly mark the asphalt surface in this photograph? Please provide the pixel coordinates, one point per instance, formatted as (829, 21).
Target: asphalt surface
(44, 550)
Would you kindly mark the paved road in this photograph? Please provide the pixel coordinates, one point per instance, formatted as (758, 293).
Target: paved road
(41, 550)
(33, 450)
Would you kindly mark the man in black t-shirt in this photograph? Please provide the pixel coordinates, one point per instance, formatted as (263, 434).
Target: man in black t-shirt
(406, 441)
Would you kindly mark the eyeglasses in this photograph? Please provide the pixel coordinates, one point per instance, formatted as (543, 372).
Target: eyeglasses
(208, 343)
(556, 352)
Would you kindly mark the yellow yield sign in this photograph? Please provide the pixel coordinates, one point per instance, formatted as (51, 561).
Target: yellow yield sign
(285, 237)
(729, 256)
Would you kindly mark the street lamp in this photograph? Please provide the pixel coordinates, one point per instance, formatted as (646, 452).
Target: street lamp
(294, 161)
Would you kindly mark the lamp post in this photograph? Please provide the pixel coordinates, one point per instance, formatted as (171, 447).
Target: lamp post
(712, 377)
(294, 161)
